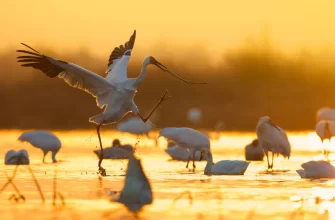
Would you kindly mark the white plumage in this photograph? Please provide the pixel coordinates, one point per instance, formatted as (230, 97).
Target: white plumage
(325, 113)
(136, 191)
(115, 92)
(20, 157)
(223, 167)
(317, 169)
(135, 126)
(272, 138)
(187, 138)
(44, 140)
(180, 153)
(325, 129)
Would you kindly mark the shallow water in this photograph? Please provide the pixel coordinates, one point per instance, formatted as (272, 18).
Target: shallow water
(257, 194)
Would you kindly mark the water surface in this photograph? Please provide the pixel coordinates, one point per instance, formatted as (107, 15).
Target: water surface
(255, 195)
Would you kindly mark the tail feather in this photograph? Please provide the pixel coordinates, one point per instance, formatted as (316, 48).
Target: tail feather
(97, 119)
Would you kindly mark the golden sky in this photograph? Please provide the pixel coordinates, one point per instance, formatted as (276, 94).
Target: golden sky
(218, 24)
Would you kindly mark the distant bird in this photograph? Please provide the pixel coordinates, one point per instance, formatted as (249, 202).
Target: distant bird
(17, 157)
(272, 138)
(136, 191)
(317, 169)
(180, 153)
(325, 130)
(115, 92)
(135, 126)
(223, 167)
(187, 138)
(254, 151)
(117, 151)
(325, 113)
(194, 115)
(44, 140)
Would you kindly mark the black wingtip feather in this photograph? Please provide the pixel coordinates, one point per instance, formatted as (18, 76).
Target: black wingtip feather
(31, 48)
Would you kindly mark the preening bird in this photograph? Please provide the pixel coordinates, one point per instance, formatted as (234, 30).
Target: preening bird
(117, 151)
(317, 169)
(180, 153)
(44, 140)
(254, 151)
(272, 138)
(115, 92)
(187, 138)
(17, 157)
(223, 167)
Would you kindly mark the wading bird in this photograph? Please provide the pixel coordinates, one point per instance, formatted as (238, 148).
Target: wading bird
(272, 138)
(44, 140)
(325, 130)
(223, 167)
(115, 92)
(187, 138)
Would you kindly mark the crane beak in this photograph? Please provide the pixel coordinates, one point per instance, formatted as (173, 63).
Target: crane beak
(161, 66)
(164, 68)
(201, 155)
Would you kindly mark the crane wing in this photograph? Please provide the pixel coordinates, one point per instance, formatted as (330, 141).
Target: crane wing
(72, 74)
(118, 61)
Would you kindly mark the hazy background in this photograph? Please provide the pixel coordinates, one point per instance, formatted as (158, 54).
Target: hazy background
(259, 57)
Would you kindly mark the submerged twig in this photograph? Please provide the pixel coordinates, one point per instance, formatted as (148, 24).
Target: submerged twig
(10, 180)
(190, 198)
(55, 192)
(37, 184)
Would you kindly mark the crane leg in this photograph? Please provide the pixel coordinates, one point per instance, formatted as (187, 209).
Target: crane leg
(44, 154)
(189, 157)
(163, 98)
(194, 159)
(102, 171)
(267, 157)
(272, 160)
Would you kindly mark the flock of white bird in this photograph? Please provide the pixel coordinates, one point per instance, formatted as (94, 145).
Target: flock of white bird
(115, 93)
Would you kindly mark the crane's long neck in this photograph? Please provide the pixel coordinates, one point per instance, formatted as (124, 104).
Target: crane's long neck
(140, 78)
(208, 168)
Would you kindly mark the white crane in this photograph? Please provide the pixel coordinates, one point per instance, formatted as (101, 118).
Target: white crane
(317, 169)
(272, 138)
(325, 130)
(44, 140)
(115, 92)
(223, 167)
(20, 157)
(187, 138)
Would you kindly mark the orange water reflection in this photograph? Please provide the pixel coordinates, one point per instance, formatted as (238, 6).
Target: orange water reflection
(254, 195)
